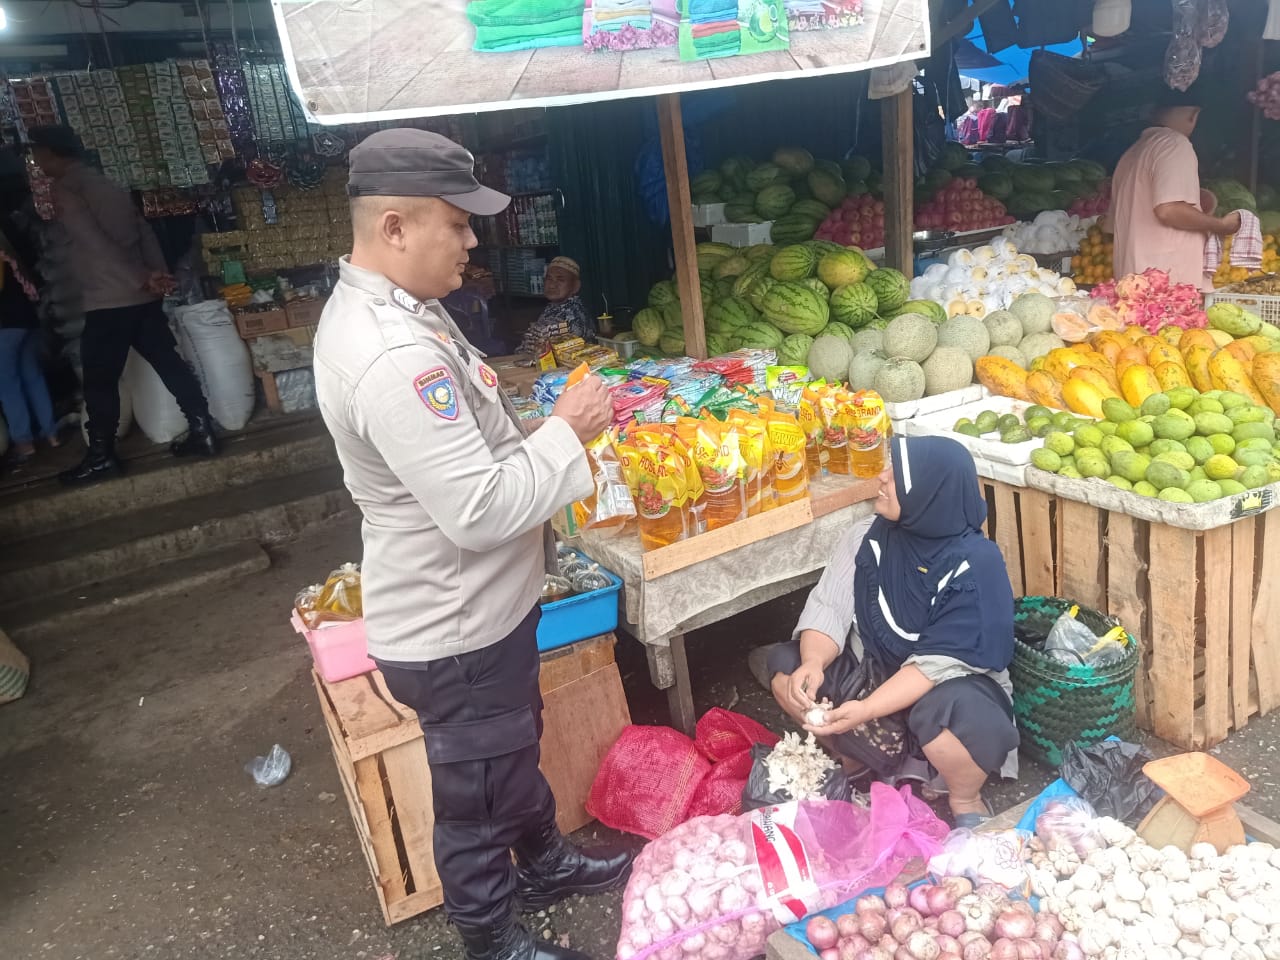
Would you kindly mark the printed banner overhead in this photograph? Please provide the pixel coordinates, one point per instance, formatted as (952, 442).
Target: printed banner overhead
(358, 60)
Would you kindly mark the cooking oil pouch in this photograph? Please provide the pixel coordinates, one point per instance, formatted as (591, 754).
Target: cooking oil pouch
(721, 470)
(610, 506)
(696, 512)
(660, 476)
(790, 473)
(340, 598)
(811, 424)
(307, 604)
(835, 436)
(757, 452)
(867, 430)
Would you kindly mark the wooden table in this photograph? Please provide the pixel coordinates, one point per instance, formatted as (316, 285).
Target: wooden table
(669, 593)
(377, 744)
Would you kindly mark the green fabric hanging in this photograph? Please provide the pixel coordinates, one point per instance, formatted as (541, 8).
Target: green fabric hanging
(603, 225)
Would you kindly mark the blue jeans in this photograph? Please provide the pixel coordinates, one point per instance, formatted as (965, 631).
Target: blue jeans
(24, 395)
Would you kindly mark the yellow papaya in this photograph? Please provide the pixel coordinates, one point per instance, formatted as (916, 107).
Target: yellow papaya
(1195, 337)
(1170, 335)
(1197, 360)
(1172, 375)
(1060, 362)
(1137, 383)
(1134, 333)
(1220, 337)
(1110, 344)
(1229, 373)
(1130, 355)
(1242, 350)
(1261, 344)
(1002, 376)
(1094, 376)
(1083, 398)
(1266, 377)
(1163, 353)
(1045, 390)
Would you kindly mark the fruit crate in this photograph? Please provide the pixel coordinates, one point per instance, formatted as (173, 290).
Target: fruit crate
(1204, 605)
(382, 763)
(1265, 306)
(993, 458)
(906, 409)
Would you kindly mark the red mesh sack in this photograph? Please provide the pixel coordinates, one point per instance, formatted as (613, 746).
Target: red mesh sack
(647, 781)
(723, 734)
(721, 790)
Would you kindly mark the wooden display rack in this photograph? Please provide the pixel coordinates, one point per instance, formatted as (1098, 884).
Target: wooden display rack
(1204, 605)
(382, 763)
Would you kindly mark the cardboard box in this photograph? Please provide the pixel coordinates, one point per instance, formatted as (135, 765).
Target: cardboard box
(305, 312)
(743, 234)
(254, 321)
(286, 349)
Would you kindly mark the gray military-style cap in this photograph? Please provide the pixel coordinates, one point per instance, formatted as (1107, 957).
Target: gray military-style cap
(407, 162)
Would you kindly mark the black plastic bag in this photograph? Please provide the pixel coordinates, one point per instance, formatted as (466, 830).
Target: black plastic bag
(1109, 775)
(756, 793)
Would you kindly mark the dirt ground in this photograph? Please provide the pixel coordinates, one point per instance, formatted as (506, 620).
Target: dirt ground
(132, 830)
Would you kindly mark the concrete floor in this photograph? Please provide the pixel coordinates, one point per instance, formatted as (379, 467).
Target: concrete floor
(131, 829)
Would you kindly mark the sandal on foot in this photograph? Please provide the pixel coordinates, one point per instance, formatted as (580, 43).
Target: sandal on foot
(972, 821)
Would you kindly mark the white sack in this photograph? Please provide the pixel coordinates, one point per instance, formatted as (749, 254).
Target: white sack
(208, 341)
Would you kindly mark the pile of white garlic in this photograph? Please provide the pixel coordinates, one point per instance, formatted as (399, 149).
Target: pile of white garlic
(1127, 900)
(798, 768)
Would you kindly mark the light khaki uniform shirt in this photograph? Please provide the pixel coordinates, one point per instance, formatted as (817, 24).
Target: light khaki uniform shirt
(454, 494)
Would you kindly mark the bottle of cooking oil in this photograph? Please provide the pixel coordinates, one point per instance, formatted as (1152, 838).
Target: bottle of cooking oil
(868, 432)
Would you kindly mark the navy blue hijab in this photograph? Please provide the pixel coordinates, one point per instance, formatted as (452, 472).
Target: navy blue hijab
(931, 583)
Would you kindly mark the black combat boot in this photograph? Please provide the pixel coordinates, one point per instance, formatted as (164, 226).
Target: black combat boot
(549, 868)
(511, 940)
(200, 440)
(99, 462)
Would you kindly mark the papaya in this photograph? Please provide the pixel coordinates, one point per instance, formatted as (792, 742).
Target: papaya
(1070, 326)
(1170, 335)
(1197, 359)
(1059, 363)
(1172, 375)
(1083, 398)
(1045, 390)
(1093, 376)
(1229, 373)
(1220, 337)
(1109, 344)
(1137, 383)
(1003, 376)
(1195, 337)
(1266, 377)
(1242, 350)
(1134, 333)
(1148, 341)
(1260, 343)
(1101, 315)
(1130, 355)
(1163, 353)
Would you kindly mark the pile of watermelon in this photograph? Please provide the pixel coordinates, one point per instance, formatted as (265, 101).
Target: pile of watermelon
(793, 190)
(779, 298)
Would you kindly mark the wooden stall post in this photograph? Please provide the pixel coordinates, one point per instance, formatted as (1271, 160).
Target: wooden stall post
(898, 148)
(680, 202)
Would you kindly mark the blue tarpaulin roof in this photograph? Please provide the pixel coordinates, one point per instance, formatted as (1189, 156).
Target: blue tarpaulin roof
(1012, 61)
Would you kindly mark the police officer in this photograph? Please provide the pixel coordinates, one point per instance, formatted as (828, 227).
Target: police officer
(455, 495)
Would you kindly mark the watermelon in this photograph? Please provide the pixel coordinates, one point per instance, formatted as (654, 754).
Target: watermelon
(672, 318)
(811, 208)
(795, 161)
(761, 251)
(794, 349)
(717, 344)
(794, 228)
(728, 192)
(818, 287)
(672, 343)
(858, 187)
(757, 291)
(1031, 179)
(843, 268)
(662, 293)
(1089, 171)
(730, 267)
(824, 247)
(760, 336)
(707, 182)
(647, 325)
(749, 276)
(837, 329)
(700, 199)
(772, 202)
(794, 308)
(741, 211)
(735, 170)
(708, 291)
(926, 308)
(856, 168)
(795, 262)
(935, 180)
(953, 155)
(765, 175)
(996, 185)
(724, 288)
(996, 163)
(728, 315)
(854, 304)
(829, 189)
(891, 288)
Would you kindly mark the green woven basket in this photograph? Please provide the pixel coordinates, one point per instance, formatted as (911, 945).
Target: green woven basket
(1056, 703)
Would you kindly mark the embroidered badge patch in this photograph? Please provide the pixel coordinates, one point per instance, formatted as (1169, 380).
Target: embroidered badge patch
(436, 389)
(487, 376)
(406, 300)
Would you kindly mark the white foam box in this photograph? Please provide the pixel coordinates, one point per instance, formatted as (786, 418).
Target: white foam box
(708, 214)
(910, 409)
(1006, 462)
(1188, 516)
(743, 234)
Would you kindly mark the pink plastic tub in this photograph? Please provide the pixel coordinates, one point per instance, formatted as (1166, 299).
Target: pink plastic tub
(340, 651)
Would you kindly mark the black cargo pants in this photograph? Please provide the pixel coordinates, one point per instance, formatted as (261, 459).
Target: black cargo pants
(481, 713)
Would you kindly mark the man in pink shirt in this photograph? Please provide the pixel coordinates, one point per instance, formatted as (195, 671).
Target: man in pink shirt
(1155, 199)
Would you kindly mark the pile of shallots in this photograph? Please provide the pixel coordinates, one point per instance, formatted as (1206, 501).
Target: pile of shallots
(949, 920)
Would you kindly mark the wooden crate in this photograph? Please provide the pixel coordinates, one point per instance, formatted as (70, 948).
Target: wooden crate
(382, 763)
(1204, 605)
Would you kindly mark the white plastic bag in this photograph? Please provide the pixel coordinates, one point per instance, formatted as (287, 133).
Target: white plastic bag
(208, 341)
(154, 407)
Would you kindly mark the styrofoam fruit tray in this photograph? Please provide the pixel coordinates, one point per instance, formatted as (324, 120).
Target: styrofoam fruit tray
(942, 401)
(987, 447)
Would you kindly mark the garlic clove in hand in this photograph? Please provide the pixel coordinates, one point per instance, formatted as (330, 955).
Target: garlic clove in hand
(816, 716)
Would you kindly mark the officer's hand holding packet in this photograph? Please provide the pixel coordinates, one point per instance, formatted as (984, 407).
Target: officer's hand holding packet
(585, 404)
(611, 505)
